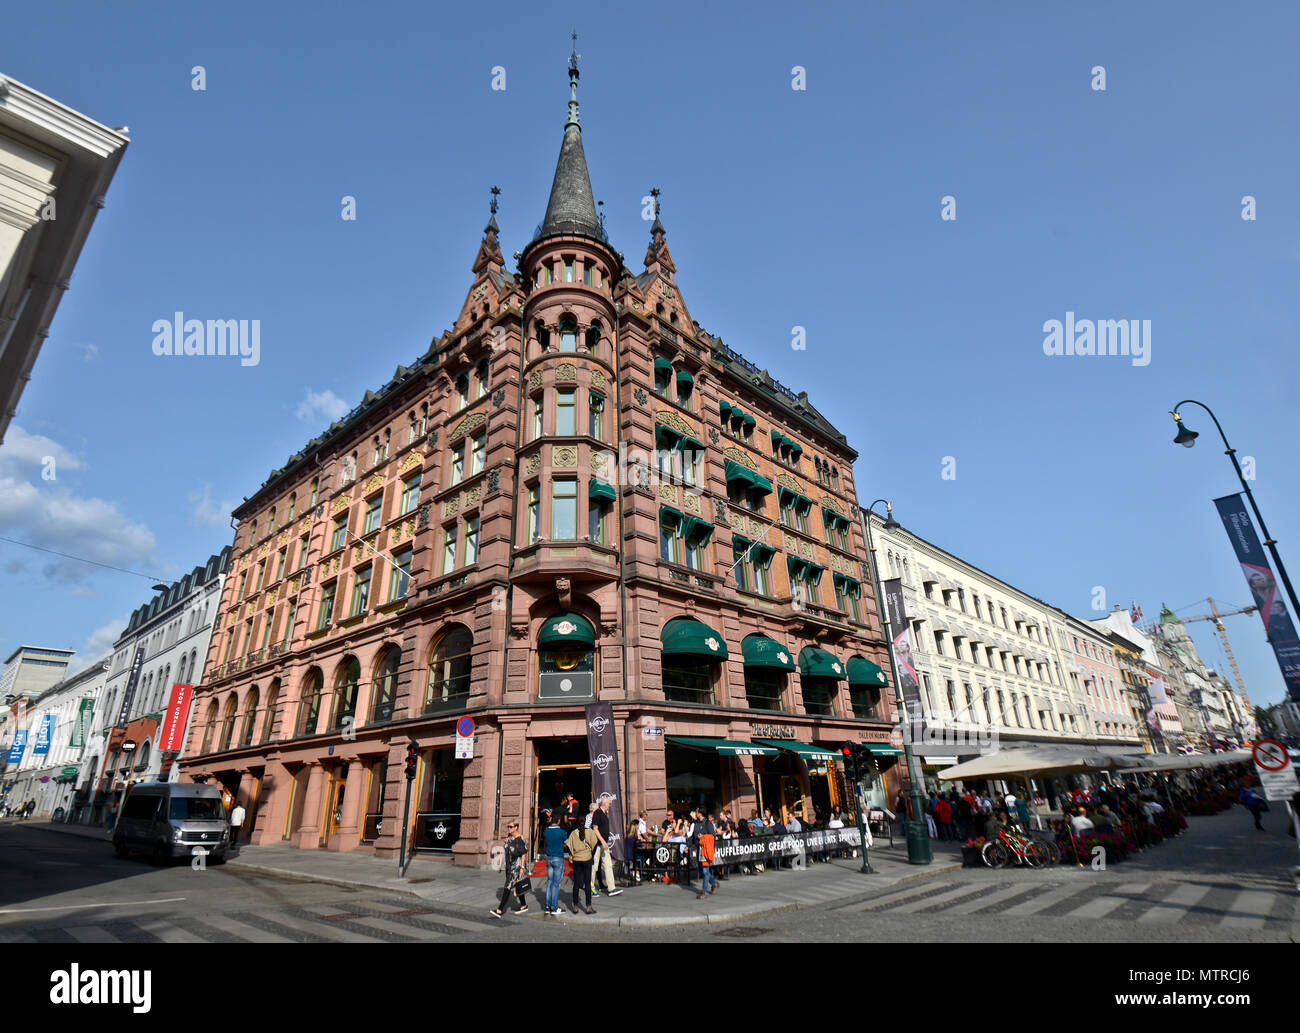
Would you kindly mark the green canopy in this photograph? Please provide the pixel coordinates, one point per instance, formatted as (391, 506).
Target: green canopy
(725, 747)
(663, 366)
(797, 567)
(737, 413)
(686, 636)
(762, 555)
(597, 400)
(665, 437)
(864, 672)
(733, 471)
(847, 585)
(740, 544)
(566, 629)
(818, 663)
(686, 444)
(724, 410)
(814, 572)
(696, 531)
(749, 421)
(669, 515)
(802, 749)
(796, 448)
(684, 378)
(878, 750)
(761, 651)
(598, 489)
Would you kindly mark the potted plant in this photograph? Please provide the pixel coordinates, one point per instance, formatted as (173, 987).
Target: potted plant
(971, 852)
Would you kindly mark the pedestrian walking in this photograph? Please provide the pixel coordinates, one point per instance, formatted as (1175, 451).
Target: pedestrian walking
(604, 860)
(582, 844)
(236, 824)
(554, 838)
(1254, 803)
(516, 872)
(706, 834)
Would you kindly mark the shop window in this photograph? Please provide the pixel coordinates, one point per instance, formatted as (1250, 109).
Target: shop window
(693, 779)
(819, 695)
(449, 671)
(765, 688)
(865, 701)
(346, 686)
(688, 679)
(311, 703)
(385, 687)
(378, 793)
(437, 816)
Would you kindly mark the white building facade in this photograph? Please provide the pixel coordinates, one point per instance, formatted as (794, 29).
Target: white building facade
(1095, 676)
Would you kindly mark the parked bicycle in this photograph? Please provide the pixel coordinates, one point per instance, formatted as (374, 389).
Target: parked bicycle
(1011, 847)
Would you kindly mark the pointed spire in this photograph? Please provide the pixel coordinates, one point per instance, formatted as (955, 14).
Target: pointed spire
(492, 226)
(489, 253)
(572, 207)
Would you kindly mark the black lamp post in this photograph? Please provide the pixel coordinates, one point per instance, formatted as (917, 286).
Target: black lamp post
(1187, 438)
(918, 838)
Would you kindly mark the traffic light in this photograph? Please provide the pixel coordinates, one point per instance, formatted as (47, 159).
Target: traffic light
(849, 757)
(412, 759)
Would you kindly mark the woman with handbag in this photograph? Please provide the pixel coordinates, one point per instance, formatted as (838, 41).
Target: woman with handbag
(516, 868)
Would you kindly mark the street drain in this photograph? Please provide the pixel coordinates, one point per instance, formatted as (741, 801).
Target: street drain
(742, 931)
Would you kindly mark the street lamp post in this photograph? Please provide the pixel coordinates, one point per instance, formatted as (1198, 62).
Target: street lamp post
(1187, 438)
(918, 838)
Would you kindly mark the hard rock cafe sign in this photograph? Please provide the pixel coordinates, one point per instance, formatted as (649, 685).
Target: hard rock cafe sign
(773, 731)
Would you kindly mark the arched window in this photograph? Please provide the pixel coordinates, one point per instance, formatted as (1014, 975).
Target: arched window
(385, 687)
(691, 659)
(250, 716)
(593, 334)
(310, 709)
(272, 704)
(142, 757)
(543, 335)
(568, 334)
(346, 685)
(228, 721)
(449, 670)
(194, 656)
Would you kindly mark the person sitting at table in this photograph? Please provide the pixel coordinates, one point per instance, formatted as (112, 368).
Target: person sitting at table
(1103, 819)
(1081, 821)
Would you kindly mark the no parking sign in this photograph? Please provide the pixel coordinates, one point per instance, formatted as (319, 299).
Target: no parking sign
(465, 739)
(1273, 765)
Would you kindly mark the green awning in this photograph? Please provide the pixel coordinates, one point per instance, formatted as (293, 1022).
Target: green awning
(762, 484)
(776, 437)
(803, 504)
(749, 421)
(724, 410)
(737, 413)
(669, 515)
(686, 444)
(663, 366)
(802, 749)
(696, 531)
(733, 471)
(597, 400)
(818, 663)
(847, 585)
(878, 750)
(814, 572)
(864, 672)
(740, 544)
(686, 636)
(725, 747)
(684, 378)
(762, 555)
(761, 651)
(566, 629)
(796, 567)
(665, 437)
(598, 489)
(796, 448)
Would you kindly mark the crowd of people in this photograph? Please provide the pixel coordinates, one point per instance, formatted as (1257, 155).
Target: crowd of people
(21, 810)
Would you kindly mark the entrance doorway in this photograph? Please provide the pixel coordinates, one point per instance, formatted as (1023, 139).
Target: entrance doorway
(562, 767)
(335, 790)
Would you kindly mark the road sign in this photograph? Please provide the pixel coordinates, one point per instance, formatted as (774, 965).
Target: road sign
(465, 726)
(1270, 755)
(464, 744)
(69, 772)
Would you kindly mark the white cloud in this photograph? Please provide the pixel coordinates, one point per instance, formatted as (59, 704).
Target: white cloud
(98, 645)
(90, 352)
(207, 512)
(320, 406)
(45, 514)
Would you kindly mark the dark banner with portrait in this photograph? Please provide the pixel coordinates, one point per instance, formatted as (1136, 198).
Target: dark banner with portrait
(909, 683)
(602, 746)
(1263, 589)
(128, 697)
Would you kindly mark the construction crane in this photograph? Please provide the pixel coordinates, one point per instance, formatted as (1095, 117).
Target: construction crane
(1214, 615)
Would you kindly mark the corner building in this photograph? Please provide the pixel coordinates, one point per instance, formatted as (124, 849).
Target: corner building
(576, 495)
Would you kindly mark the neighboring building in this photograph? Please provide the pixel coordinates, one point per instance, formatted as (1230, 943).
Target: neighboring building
(55, 167)
(60, 722)
(992, 661)
(1286, 722)
(576, 495)
(1224, 709)
(1133, 655)
(174, 629)
(1096, 680)
(29, 671)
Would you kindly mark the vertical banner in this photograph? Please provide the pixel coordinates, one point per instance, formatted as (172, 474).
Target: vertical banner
(81, 726)
(128, 697)
(41, 748)
(178, 712)
(1263, 588)
(909, 685)
(19, 746)
(602, 747)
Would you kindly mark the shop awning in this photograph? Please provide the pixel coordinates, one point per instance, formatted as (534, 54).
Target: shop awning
(819, 663)
(689, 637)
(725, 747)
(802, 749)
(663, 366)
(566, 629)
(598, 489)
(881, 750)
(761, 651)
(864, 672)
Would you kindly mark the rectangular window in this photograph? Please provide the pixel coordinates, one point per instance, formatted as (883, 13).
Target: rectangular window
(284, 556)
(691, 466)
(478, 450)
(302, 552)
(373, 506)
(762, 579)
(449, 549)
(549, 276)
(564, 508)
(534, 507)
(361, 590)
(326, 605)
(481, 379)
(565, 408)
(586, 273)
(266, 632)
(596, 523)
(400, 579)
(410, 493)
(568, 270)
(462, 390)
(340, 530)
(596, 417)
(288, 621)
(458, 462)
(668, 537)
(261, 573)
(315, 487)
(537, 417)
(471, 541)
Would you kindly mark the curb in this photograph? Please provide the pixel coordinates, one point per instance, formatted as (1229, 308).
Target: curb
(235, 864)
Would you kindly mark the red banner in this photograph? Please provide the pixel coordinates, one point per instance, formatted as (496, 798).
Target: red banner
(178, 712)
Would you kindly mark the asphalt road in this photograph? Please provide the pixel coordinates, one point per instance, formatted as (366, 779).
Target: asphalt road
(1221, 883)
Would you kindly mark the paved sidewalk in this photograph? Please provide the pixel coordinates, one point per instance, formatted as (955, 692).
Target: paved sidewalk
(650, 904)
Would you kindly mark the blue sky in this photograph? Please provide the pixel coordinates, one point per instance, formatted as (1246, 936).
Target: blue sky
(816, 208)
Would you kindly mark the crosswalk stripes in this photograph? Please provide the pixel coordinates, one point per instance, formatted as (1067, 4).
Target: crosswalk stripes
(1249, 910)
(987, 900)
(1049, 896)
(1100, 907)
(921, 888)
(168, 932)
(226, 924)
(940, 901)
(92, 934)
(1176, 905)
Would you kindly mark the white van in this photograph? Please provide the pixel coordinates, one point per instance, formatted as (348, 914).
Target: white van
(167, 820)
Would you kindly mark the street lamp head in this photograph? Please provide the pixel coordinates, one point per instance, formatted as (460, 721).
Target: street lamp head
(1186, 436)
(890, 522)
